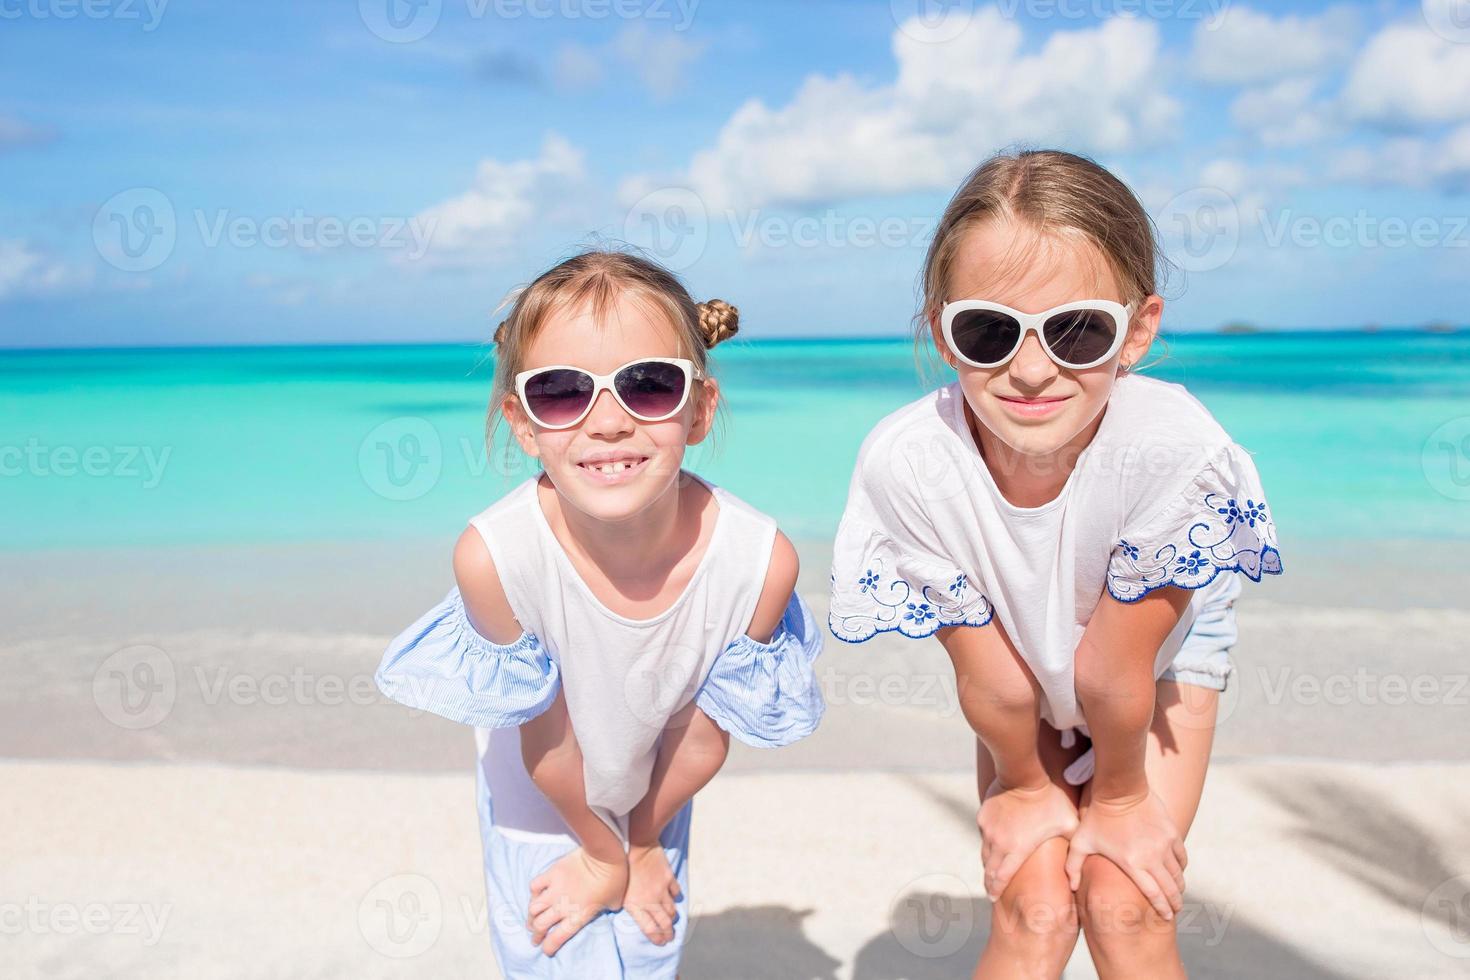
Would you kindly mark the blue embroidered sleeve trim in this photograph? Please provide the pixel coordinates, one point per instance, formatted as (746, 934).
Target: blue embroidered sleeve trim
(892, 604)
(1233, 536)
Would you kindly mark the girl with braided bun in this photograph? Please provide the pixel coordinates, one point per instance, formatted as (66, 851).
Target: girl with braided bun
(616, 619)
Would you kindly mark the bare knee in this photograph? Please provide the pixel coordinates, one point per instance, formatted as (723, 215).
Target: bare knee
(1120, 923)
(1035, 920)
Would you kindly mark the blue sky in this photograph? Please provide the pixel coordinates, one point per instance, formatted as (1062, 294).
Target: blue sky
(202, 172)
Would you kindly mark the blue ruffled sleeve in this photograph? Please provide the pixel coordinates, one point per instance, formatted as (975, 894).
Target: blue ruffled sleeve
(766, 694)
(1218, 523)
(441, 664)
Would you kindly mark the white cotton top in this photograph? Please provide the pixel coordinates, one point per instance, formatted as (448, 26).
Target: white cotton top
(1161, 496)
(623, 678)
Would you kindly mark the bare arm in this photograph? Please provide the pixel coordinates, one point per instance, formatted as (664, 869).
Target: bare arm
(1125, 820)
(1002, 702)
(548, 744)
(693, 747)
(1115, 684)
(691, 751)
(1000, 699)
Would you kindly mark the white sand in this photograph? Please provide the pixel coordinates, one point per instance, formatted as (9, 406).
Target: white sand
(199, 780)
(154, 870)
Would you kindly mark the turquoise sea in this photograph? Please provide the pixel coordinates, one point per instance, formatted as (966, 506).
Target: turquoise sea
(1356, 435)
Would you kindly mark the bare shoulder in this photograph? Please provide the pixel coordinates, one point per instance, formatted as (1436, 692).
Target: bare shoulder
(479, 586)
(776, 592)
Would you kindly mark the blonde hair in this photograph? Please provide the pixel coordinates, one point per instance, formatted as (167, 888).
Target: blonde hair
(1058, 195)
(600, 277)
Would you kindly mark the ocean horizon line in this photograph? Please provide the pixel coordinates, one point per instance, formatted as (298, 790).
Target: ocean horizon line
(1228, 331)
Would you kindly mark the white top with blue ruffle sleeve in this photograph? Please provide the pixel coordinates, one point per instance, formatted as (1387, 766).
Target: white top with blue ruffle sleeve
(1161, 496)
(623, 679)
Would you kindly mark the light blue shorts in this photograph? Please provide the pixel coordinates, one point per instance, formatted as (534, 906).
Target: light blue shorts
(611, 946)
(1204, 659)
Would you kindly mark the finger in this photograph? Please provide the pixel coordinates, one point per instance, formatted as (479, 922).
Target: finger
(544, 922)
(990, 864)
(675, 892)
(1151, 891)
(665, 923)
(645, 922)
(540, 882)
(562, 933)
(1171, 890)
(1171, 864)
(1009, 865)
(1076, 854)
(1181, 854)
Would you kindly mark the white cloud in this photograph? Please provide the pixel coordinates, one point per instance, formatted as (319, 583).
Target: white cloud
(576, 67)
(1407, 75)
(1097, 90)
(24, 271)
(1245, 46)
(507, 198)
(1284, 114)
(1254, 188)
(659, 61)
(1442, 164)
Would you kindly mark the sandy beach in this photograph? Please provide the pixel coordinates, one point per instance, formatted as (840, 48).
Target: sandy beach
(203, 782)
(291, 291)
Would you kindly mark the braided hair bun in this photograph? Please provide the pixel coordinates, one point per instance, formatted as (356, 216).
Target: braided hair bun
(718, 321)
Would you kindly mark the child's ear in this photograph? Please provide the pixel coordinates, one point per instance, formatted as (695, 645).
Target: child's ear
(520, 425)
(1141, 333)
(706, 396)
(937, 333)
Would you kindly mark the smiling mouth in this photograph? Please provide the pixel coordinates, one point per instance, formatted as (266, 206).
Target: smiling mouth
(1034, 409)
(615, 466)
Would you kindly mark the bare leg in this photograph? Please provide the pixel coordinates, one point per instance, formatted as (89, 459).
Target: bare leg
(1126, 937)
(1033, 928)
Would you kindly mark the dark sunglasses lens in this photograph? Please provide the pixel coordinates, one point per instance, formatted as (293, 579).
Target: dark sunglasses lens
(651, 389)
(986, 336)
(558, 396)
(1080, 336)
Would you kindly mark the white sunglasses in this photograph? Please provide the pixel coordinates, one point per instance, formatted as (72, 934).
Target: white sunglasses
(650, 389)
(1075, 335)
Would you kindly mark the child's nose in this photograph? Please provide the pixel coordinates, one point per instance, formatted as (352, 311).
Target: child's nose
(1031, 366)
(608, 417)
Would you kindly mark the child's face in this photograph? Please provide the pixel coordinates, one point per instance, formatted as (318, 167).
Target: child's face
(654, 451)
(1058, 271)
